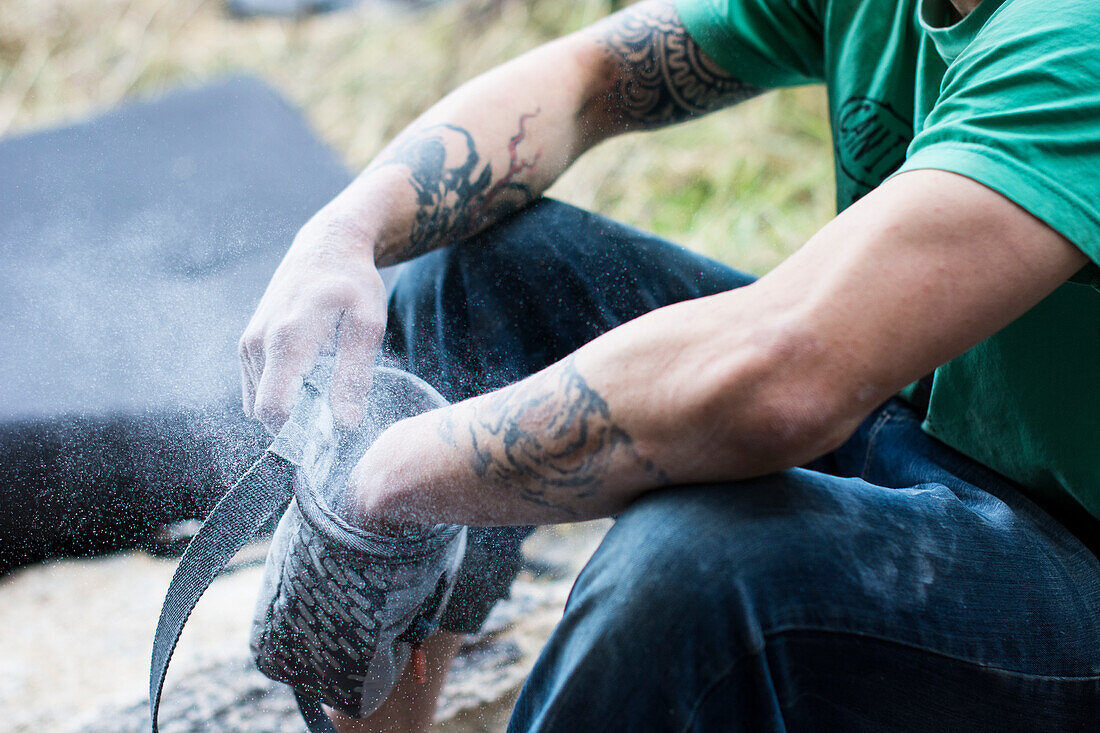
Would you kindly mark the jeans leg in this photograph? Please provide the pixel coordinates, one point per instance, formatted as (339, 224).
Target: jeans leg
(804, 601)
(487, 312)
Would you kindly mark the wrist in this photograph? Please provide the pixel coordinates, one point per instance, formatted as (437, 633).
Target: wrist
(374, 212)
(339, 228)
(373, 484)
(392, 481)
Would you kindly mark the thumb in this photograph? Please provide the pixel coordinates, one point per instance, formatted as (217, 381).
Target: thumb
(358, 339)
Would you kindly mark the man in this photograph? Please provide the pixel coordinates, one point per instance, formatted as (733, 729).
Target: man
(925, 569)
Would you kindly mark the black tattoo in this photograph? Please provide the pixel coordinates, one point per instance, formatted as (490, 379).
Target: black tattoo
(552, 438)
(457, 193)
(664, 76)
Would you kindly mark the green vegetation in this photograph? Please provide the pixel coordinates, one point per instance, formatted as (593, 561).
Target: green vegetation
(746, 185)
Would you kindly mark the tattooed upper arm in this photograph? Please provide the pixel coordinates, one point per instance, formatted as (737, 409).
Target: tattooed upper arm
(464, 180)
(661, 74)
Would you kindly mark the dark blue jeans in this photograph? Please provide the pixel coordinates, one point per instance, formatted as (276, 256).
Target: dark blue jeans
(894, 585)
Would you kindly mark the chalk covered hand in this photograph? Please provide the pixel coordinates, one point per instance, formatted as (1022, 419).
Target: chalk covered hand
(326, 294)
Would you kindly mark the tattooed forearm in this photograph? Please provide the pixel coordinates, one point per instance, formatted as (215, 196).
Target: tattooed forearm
(551, 438)
(457, 193)
(663, 76)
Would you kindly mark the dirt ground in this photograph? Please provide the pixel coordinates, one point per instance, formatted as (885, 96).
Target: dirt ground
(74, 655)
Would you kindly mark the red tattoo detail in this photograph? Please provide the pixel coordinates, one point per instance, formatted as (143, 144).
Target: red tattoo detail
(516, 165)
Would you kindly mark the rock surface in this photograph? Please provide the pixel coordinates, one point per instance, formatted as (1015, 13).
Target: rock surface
(74, 651)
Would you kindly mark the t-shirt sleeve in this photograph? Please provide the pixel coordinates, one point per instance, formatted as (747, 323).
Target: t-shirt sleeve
(1019, 111)
(767, 43)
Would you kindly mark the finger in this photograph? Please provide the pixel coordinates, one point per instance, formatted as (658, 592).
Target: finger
(358, 341)
(249, 376)
(248, 391)
(287, 358)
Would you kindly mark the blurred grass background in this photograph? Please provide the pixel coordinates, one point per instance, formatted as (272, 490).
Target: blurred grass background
(746, 185)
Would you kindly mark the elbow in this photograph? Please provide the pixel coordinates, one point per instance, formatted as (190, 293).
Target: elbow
(599, 109)
(789, 430)
(782, 405)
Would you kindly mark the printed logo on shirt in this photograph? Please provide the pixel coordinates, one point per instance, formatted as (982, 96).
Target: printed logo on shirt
(871, 139)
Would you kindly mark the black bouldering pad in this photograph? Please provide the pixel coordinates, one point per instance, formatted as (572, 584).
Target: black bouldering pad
(135, 246)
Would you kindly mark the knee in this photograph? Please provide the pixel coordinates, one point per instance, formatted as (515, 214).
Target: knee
(721, 563)
(478, 284)
(511, 247)
(488, 311)
(671, 567)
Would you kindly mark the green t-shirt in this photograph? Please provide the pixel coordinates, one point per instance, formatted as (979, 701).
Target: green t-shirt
(1010, 97)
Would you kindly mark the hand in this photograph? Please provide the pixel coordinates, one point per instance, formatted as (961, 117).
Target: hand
(386, 487)
(325, 293)
(410, 479)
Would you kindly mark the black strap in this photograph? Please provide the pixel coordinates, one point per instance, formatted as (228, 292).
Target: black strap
(264, 489)
(256, 496)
